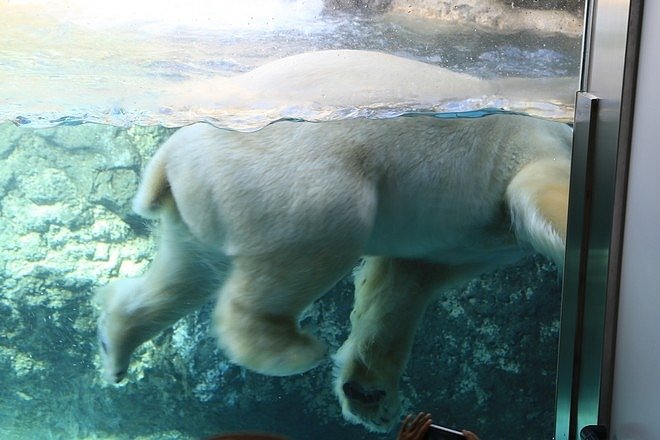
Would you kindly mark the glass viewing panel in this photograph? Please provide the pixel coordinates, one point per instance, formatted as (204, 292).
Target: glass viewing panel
(89, 91)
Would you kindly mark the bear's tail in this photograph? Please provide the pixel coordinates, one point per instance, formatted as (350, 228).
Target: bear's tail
(154, 188)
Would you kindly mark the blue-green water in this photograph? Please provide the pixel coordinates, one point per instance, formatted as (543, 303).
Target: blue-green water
(485, 360)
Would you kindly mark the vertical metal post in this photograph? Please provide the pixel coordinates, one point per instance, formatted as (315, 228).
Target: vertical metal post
(576, 260)
(596, 212)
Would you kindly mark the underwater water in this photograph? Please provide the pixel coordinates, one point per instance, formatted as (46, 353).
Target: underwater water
(84, 104)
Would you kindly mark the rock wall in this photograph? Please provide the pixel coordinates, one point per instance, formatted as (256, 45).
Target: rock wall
(545, 16)
(572, 6)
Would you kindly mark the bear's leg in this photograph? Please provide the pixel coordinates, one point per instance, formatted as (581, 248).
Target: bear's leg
(390, 298)
(180, 279)
(258, 308)
(538, 202)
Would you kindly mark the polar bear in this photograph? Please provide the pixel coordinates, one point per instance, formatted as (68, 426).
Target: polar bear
(322, 84)
(267, 222)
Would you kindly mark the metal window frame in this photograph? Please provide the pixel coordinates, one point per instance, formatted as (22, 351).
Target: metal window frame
(601, 145)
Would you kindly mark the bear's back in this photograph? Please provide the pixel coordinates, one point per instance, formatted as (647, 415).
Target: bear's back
(416, 186)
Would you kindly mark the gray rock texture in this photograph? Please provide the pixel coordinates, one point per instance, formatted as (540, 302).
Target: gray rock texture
(545, 16)
(573, 6)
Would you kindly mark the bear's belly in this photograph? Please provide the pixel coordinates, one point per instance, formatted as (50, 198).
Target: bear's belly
(444, 234)
(446, 247)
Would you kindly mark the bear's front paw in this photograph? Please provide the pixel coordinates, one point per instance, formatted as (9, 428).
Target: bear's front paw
(268, 345)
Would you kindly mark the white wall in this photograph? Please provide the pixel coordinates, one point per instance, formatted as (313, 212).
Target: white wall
(636, 398)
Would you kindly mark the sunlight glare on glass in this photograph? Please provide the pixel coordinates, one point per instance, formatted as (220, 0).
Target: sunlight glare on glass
(161, 16)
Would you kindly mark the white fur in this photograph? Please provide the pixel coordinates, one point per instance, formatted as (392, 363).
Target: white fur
(291, 209)
(344, 79)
